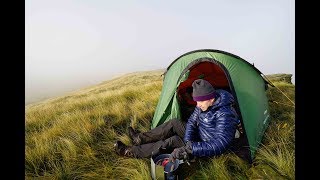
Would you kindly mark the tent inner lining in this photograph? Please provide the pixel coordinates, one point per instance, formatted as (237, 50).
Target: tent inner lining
(203, 70)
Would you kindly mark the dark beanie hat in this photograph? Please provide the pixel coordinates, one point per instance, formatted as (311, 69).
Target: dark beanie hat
(202, 90)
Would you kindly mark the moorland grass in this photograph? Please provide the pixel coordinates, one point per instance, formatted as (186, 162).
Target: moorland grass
(72, 136)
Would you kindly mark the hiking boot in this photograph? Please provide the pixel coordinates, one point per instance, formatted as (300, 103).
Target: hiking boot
(134, 136)
(122, 150)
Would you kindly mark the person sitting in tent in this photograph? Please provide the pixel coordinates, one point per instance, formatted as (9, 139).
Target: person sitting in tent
(209, 130)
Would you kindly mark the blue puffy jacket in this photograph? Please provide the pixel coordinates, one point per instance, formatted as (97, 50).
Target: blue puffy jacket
(212, 131)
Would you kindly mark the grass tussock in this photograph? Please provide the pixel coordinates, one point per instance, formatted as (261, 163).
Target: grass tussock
(71, 137)
(223, 167)
(133, 168)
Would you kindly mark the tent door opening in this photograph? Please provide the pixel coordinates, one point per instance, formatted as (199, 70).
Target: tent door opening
(202, 70)
(212, 72)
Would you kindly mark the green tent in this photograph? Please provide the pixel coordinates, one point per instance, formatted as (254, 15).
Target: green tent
(224, 71)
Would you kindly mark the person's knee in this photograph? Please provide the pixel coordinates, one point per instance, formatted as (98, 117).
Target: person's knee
(178, 125)
(175, 122)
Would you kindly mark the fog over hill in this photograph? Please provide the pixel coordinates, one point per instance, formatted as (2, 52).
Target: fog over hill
(36, 93)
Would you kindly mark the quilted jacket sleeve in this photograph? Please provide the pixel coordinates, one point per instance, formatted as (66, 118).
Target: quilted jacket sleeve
(191, 127)
(225, 129)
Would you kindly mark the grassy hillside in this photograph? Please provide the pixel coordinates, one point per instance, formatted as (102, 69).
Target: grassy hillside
(72, 137)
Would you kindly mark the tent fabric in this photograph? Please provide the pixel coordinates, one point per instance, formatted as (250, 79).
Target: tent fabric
(223, 70)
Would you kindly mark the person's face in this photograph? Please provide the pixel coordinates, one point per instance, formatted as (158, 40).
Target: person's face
(203, 105)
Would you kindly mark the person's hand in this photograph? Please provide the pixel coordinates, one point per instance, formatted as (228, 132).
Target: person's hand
(182, 152)
(179, 153)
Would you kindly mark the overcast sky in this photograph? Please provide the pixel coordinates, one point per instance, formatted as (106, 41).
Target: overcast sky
(74, 44)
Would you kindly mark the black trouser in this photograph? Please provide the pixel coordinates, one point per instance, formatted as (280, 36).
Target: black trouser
(168, 135)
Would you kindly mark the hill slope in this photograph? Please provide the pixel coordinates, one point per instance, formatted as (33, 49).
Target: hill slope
(71, 137)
